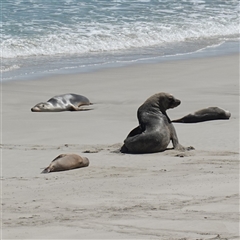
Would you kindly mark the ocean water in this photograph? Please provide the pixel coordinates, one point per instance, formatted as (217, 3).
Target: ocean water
(40, 37)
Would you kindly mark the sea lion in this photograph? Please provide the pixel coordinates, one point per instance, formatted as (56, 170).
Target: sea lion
(155, 130)
(66, 162)
(206, 114)
(64, 102)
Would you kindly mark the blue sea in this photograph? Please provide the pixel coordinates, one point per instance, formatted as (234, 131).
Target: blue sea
(43, 37)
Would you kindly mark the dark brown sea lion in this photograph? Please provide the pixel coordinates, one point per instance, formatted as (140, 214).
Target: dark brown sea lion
(66, 162)
(206, 114)
(155, 130)
(64, 102)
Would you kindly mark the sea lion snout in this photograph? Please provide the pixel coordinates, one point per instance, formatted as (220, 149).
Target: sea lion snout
(174, 102)
(85, 161)
(177, 102)
(228, 114)
(35, 109)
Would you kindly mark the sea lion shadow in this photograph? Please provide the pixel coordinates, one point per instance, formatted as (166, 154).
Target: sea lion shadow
(123, 150)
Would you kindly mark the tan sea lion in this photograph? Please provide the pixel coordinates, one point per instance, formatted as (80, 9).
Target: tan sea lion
(206, 114)
(155, 130)
(66, 162)
(64, 102)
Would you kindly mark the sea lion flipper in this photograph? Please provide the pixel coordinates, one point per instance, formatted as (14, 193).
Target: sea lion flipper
(123, 149)
(59, 156)
(46, 170)
(177, 120)
(84, 107)
(137, 130)
(72, 109)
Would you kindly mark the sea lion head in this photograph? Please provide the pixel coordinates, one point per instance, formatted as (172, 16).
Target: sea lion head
(228, 114)
(167, 101)
(223, 114)
(42, 107)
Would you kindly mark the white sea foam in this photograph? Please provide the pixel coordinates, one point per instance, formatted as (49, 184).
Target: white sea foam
(74, 26)
(101, 38)
(8, 68)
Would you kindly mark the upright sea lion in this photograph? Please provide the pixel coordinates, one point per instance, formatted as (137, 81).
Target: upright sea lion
(64, 102)
(155, 129)
(206, 114)
(66, 162)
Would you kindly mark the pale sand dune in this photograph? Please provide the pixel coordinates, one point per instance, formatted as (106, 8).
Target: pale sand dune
(168, 195)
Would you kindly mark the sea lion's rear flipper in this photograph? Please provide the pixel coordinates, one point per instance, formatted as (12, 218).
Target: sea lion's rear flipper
(59, 156)
(123, 149)
(80, 107)
(85, 108)
(137, 130)
(49, 168)
(46, 170)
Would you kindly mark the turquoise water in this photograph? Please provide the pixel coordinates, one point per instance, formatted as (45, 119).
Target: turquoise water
(47, 37)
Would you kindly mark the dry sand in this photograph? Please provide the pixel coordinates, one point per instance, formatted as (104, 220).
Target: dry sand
(193, 195)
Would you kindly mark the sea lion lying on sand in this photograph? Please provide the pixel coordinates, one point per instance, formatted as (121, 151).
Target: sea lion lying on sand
(206, 114)
(155, 129)
(66, 162)
(64, 102)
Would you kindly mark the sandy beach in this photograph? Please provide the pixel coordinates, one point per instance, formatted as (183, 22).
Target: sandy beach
(168, 195)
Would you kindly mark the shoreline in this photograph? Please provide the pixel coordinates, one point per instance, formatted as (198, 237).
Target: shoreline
(167, 195)
(221, 49)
